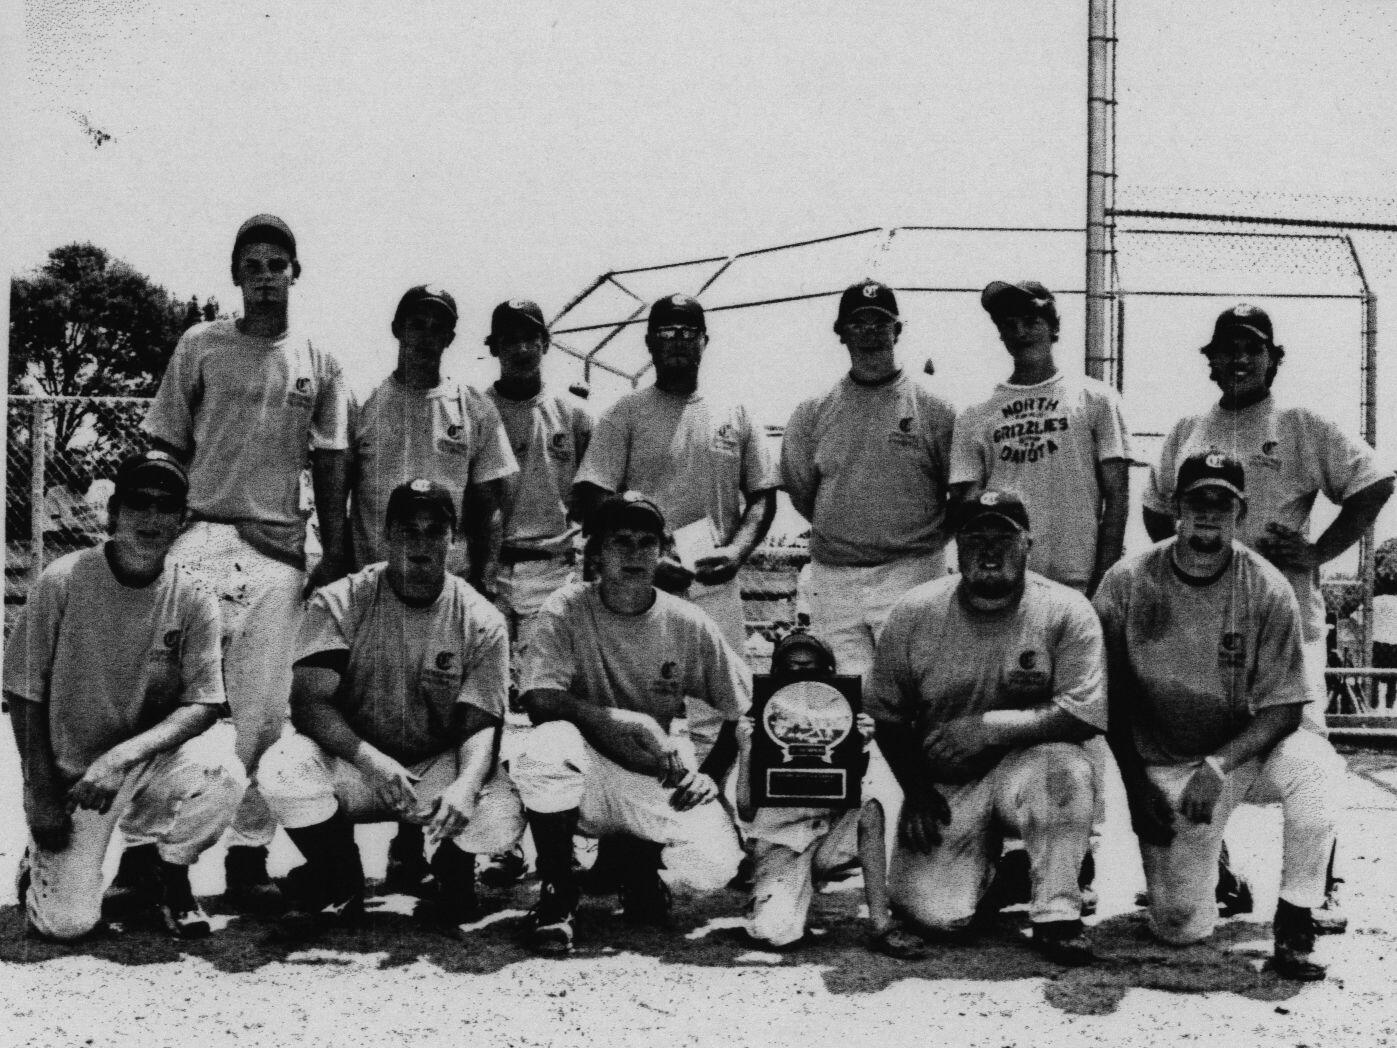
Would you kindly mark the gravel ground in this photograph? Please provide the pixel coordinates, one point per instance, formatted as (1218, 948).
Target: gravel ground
(396, 984)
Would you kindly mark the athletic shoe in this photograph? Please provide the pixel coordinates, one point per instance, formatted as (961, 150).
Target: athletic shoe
(175, 904)
(551, 920)
(646, 899)
(136, 863)
(1330, 918)
(1233, 893)
(1063, 942)
(1295, 941)
(505, 870)
(900, 943)
(407, 866)
(302, 923)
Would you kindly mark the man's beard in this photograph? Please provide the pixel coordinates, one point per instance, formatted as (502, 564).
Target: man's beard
(1205, 543)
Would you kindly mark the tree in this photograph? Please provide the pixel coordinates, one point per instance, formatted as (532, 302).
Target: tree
(85, 324)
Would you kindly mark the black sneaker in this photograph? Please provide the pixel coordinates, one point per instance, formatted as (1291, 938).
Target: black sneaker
(301, 923)
(646, 899)
(245, 873)
(407, 866)
(1295, 941)
(1063, 942)
(505, 870)
(175, 904)
(134, 872)
(1233, 893)
(551, 921)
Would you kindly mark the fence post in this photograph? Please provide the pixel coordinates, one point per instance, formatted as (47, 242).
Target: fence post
(38, 517)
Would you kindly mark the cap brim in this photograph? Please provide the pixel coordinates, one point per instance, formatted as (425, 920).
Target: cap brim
(1214, 482)
(987, 514)
(1000, 296)
(1239, 326)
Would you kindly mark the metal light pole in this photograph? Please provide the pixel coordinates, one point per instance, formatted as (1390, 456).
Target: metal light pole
(1102, 352)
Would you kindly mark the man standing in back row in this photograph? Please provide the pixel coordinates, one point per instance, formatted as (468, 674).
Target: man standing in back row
(243, 404)
(867, 464)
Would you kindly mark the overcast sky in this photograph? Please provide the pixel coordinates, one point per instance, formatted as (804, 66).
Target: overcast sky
(521, 149)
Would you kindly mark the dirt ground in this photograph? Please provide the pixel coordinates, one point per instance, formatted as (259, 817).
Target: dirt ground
(396, 984)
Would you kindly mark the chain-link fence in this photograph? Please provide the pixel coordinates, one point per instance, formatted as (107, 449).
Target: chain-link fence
(63, 454)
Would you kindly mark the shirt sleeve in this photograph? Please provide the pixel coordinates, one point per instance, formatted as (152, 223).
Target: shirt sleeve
(940, 424)
(486, 686)
(549, 660)
(798, 474)
(170, 418)
(1347, 465)
(201, 661)
(1159, 492)
(1079, 663)
(759, 469)
(494, 458)
(968, 464)
(32, 645)
(608, 454)
(323, 627)
(727, 682)
(329, 424)
(1109, 428)
(889, 688)
(1280, 660)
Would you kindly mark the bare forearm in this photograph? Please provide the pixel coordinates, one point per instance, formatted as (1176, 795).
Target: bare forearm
(183, 724)
(329, 472)
(1110, 531)
(720, 758)
(325, 725)
(1031, 727)
(636, 741)
(903, 753)
(1266, 729)
(475, 759)
(30, 723)
(755, 523)
(1356, 516)
(483, 519)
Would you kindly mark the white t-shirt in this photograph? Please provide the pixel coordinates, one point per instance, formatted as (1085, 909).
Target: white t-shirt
(1044, 442)
(696, 457)
(251, 409)
(651, 662)
(939, 659)
(450, 434)
(1290, 454)
(110, 660)
(409, 668)
(868, 467)
(1203, 658)
(545, 434)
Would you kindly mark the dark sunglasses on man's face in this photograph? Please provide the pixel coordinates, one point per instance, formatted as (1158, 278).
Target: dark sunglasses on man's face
(141, 501)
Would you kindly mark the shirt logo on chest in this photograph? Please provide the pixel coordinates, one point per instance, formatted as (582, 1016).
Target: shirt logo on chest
(301, 394)
(1232, 651)
(446, 661)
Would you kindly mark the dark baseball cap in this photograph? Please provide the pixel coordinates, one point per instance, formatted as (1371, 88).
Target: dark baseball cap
(416, 494)
(630, 509)
(993, 506)
(1028, 297)
(677, 309)
(793, 642)
(431, 295)
(152, 469)
(1242, 317)
(519, 317)
(866, 294)
(1211, 469)
(263, 229)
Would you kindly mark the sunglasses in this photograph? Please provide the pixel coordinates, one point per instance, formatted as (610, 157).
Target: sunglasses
(141, 501)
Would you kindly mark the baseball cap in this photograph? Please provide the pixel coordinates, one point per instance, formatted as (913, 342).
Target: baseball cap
(518, 316)
(263, 229)
(152, 469)
(866, 294)
(425, 295)
(1211, 469)
(793, 642)
(416, 494)
(677, 309)
(1242, 317)
(628, 510)
(1003, 299)
(994, 504)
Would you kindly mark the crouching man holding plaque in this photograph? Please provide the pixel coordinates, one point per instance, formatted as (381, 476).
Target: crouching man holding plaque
(985, 685)
(800, 840)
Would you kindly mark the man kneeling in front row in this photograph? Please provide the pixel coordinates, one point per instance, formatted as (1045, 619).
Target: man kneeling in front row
(398, 694)
(610, 669)
(1207, 685)
(984, 686)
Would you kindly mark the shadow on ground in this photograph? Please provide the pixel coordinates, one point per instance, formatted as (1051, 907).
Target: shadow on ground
(706, 933)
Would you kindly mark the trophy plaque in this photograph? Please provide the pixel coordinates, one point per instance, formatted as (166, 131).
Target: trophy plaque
(806, 749)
